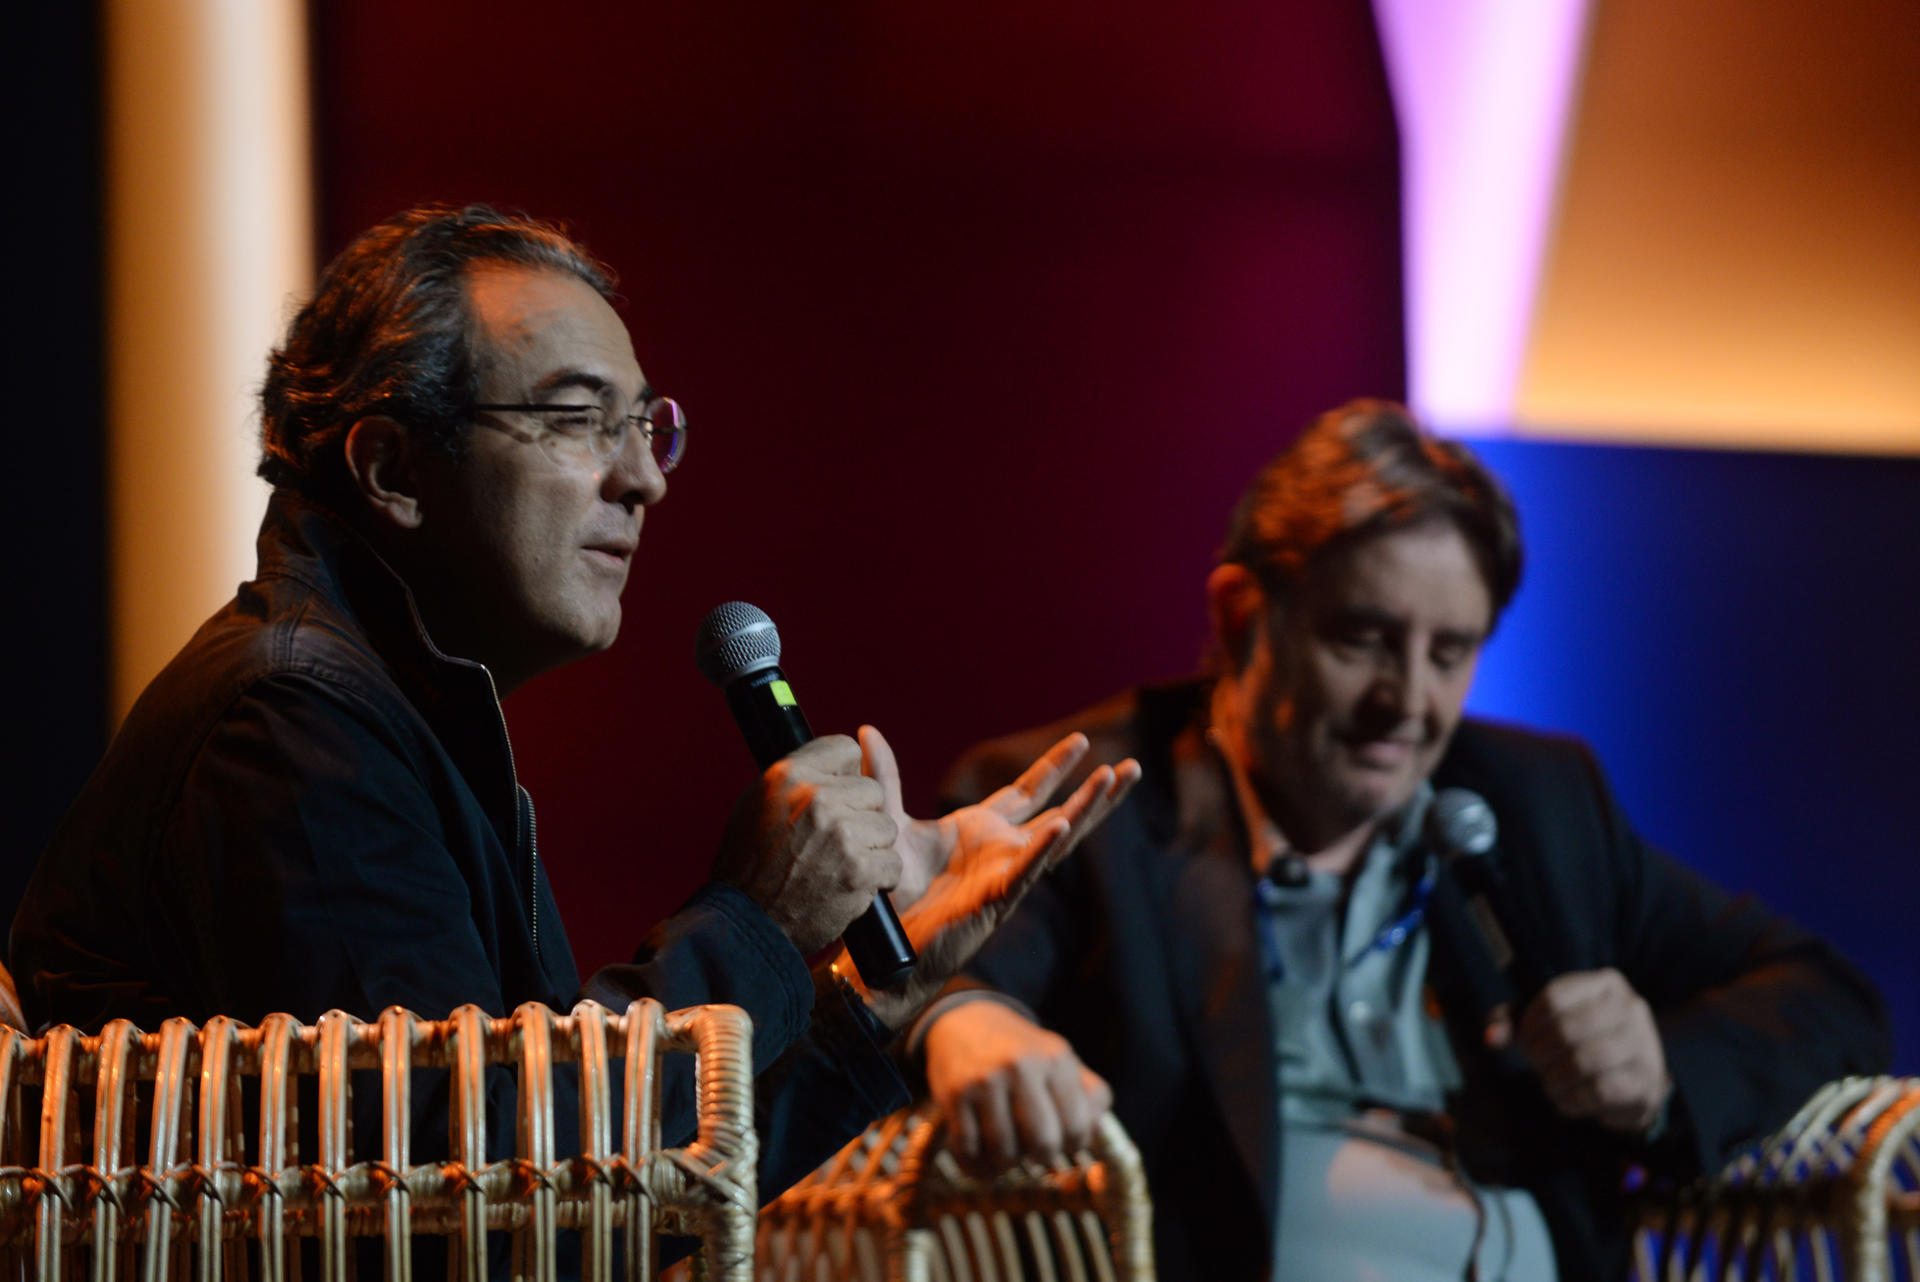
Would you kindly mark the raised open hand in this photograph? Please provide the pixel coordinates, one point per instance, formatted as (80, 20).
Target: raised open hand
(963, 873)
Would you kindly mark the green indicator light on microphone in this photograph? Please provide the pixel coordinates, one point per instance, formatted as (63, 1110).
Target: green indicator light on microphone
(783, 694)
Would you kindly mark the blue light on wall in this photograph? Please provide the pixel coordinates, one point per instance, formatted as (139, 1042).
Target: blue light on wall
(1738, 635)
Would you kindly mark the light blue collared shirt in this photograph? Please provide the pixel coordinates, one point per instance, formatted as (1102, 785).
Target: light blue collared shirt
(1355, 1046)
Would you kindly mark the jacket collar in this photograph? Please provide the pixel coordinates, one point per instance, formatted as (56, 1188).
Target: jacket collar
(307, 543)
(1214, 955)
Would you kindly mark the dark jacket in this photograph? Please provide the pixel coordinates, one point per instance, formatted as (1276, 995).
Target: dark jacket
(312, 808)
(1140, 950)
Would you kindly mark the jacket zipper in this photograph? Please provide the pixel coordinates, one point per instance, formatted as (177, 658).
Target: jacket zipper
(533, 829)
(533, 873)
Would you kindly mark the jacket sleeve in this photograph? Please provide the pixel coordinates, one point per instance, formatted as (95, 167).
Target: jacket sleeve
(309, 868)
(1754, 1013)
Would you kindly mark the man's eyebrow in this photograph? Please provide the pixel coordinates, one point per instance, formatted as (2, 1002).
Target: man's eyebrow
(1363, 615)
(586, 380)
(565, 378)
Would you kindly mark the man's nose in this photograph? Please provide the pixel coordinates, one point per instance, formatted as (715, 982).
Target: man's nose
(633, 477)
(1402, 688)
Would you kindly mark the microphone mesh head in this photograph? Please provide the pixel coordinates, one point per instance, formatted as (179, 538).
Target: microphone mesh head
(735, 639)
(1460, 822)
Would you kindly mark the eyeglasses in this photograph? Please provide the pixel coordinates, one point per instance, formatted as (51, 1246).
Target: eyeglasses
(592, 436)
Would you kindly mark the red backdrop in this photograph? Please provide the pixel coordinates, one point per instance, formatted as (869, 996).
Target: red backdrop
(983, 315)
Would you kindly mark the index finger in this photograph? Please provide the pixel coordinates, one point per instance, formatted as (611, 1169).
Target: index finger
(834, 754)
(1086, 809)
(1569, 992)
(1100, 792)
(1555, 1018)
(1036, 783)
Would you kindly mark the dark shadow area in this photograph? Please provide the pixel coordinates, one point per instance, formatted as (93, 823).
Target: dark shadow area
(53, 502)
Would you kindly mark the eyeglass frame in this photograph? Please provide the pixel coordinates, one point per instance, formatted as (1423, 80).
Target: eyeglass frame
(675, 451)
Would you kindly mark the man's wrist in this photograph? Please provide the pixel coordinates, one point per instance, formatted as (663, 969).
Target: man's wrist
(1656, 1128)
(836, 986)
(914, 1044)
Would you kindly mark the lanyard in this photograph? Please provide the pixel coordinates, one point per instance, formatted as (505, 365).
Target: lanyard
(1391, 936)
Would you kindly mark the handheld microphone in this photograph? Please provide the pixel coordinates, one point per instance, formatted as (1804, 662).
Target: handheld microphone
(738, 649)
(1460, 822)
(1500, 948)
(1462, 825)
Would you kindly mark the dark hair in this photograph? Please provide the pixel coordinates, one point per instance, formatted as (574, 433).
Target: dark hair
(389, 332)
(1357, 471)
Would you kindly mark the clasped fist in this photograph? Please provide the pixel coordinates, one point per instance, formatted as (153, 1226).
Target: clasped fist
(1593, 1041)
(812, 842)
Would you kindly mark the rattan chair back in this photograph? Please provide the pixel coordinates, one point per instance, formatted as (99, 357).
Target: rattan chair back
(894, 1205)
(218, 1197)
(1835, 1194)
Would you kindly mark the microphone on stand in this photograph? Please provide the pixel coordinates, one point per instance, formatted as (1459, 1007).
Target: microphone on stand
(738, 649)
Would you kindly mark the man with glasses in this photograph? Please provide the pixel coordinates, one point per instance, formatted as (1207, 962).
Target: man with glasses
(315, 805)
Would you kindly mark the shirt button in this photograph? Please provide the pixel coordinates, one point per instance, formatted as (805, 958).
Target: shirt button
(1359, 1013)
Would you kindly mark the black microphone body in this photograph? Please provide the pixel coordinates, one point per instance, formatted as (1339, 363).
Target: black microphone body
(768, 715)
(738, 650)
(1503, 961)
(1510, 936)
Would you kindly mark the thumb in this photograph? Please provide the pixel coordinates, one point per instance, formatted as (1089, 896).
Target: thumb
(1499, 1032)
(878, 764)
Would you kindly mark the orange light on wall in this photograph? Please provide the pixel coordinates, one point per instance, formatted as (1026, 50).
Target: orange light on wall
(209, 234)
(1736, 261)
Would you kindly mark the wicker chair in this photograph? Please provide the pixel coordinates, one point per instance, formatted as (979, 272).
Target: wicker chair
(1836, 1194)
(89, 1206)
(895, 1205)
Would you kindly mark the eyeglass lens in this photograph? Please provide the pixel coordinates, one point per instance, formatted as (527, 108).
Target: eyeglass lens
(668, 438)
(593, 435)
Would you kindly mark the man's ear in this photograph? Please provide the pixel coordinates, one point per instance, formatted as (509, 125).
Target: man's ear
(383, 459)
(1236, 604)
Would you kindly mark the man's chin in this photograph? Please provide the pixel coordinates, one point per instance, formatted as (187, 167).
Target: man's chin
(605, 637)
(584, 638)
(1374, 794)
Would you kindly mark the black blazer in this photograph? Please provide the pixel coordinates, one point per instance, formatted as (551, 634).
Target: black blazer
(1141, 950)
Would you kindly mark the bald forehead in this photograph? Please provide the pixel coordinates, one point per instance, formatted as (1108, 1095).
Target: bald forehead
(536, 328)
(512, 304)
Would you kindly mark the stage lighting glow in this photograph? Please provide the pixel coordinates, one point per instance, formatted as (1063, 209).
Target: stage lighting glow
(209, 235)
(1483, 90)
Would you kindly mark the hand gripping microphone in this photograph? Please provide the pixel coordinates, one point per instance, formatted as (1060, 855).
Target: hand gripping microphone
(738, 649)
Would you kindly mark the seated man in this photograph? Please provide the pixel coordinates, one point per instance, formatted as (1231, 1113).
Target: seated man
(315, 805)
(1253, 956)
